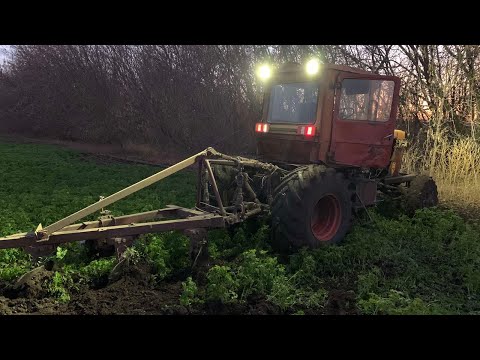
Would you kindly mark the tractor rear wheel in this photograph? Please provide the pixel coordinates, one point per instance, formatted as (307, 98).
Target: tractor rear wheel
(312, 209)
(421, 193)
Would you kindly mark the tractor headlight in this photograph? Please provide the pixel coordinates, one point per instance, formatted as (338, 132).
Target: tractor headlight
(264, 72)
(313, 66)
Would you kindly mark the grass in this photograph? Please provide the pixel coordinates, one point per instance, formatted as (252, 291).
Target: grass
(42, 184)
(455, 166)
(427, 264)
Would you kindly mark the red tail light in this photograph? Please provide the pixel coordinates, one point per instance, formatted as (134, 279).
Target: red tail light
(306, 130)
(261, 127)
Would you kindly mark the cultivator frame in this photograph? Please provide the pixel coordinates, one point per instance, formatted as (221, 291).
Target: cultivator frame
(120, 231)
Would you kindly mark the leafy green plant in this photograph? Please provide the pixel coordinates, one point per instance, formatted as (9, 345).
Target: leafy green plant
(304, 265)
(218, 242)
(257, 272)
(251, 234)
(221, 285)
(156, 255)
(13, 264)
(132, 255)
(397, 303)
(60, 254)
(314, 299)
(97, 269)
(369, 282)
(177, 246)
(288, 292)
(59, 285)
(283, 293)
(260, 238)
(166, 252)
(189, 294)
(299, 312)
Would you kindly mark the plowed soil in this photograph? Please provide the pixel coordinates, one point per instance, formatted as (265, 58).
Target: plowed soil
(135, 293)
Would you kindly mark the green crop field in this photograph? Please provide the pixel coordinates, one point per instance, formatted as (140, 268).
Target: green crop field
(390, 264)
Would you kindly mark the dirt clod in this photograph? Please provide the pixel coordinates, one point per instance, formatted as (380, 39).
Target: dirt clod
(341, 302)
(30, 285)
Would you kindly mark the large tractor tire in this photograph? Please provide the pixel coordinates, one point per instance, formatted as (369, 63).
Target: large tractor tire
(312, 209)
(421, 193)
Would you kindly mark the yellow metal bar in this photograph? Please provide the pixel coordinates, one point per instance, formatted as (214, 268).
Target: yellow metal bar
(215, 189)
(123, 193)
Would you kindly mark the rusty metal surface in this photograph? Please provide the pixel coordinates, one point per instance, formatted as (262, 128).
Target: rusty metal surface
(364, 143)
(287, 148)
(106, 231)
(215, 188)
(396, 160)
(362, 155)
(198, 251)
(123, 220)
(367, 192)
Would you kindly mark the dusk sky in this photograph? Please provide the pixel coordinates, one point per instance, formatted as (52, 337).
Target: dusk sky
(3, 52)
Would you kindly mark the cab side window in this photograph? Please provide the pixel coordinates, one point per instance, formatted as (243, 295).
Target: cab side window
(367, 100)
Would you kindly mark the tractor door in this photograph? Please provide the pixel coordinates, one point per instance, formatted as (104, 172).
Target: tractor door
(364, 119)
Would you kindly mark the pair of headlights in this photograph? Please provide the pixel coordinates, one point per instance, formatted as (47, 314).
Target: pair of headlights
(312, 67)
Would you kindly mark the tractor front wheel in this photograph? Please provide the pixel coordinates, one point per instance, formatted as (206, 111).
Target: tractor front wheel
(312, 209)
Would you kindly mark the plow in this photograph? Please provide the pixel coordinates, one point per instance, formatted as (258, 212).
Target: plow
(327, 147)
(211, 211)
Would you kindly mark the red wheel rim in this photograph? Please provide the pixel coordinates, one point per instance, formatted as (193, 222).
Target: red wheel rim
(326, 218)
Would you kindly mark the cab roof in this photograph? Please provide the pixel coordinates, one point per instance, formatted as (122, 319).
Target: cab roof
(294, 66)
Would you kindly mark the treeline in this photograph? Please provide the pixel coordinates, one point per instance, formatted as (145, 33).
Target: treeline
(193, 96)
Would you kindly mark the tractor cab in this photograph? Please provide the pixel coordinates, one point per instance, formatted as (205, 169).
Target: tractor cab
(331, 114)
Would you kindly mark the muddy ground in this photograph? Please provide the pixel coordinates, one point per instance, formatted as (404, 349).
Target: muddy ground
(135, 293)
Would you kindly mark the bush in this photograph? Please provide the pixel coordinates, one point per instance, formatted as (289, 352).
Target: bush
(61, 282)
(251, 234)
(189, 294)
(221, 285)
(256, 273)
(166, 253)
(283, 293)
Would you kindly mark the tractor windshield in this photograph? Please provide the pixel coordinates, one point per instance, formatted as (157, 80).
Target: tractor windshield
(293, 103)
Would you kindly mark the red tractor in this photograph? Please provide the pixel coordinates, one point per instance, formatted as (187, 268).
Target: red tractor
(333, 128)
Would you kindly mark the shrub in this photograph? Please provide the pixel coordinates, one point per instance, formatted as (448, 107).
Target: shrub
(256, 273)
(221, 284)
(61, 282)
(283, 293)
(166, 253)
(189, 294)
